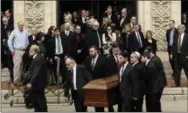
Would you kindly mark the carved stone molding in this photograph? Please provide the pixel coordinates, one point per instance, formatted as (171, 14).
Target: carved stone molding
(34, 15)
(161, 14)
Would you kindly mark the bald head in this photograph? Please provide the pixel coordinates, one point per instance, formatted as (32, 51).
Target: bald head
(67, 26)
(181, 29)
(20, 25)
(135, 56)
(95, 25)
(70, 63)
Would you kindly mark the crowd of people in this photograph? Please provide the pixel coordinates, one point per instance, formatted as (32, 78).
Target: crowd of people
(89, 50)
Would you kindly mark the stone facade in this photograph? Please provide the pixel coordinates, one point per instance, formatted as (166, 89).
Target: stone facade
(152, 15)
(155, 15)
(34, 15)
(37, 14)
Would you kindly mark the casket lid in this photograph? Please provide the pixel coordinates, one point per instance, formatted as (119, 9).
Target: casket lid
(103, 83)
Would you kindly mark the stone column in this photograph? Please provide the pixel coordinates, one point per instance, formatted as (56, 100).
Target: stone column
(155, 15)
(36, 14)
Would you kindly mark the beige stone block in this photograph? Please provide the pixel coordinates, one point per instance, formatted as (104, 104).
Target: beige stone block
(168, 97)
(181, 97)
(185, 91)
(174, 91)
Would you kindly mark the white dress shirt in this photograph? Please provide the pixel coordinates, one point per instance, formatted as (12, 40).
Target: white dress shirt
(122, 20)
(122, 69)
(135, 63)
(58, 46)
(18, 39)
(35, 56)
(74, 78)
(182, 36)
(83, 19)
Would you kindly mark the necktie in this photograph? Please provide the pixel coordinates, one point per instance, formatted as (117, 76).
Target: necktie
(93, 64)
(59, 45)
(121, 71)
(139, 39)
(99, 39)
(117, 62)
(179, 44)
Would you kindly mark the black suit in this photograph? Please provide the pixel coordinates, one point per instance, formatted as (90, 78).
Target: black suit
(82, 78)
(83, 25)
(125, 21)
(111, 66)
(51, 55)
(155, 81)
(180, 59)
(138, 87)
(169, 47)
(91, 38)
(126, 89)
(31, 39)
(113, 18)
(26, 58)
(11, 21)
(185, 23)
(126, 41)
(97, 73)
(69, 44)
(134, 44)
(153, 44)
(80, 45)
(4, 37)
(38, 80)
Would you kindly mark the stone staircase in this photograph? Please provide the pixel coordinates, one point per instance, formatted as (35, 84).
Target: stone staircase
(170, 93)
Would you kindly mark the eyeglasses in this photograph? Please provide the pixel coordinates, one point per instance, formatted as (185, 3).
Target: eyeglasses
(109, 29)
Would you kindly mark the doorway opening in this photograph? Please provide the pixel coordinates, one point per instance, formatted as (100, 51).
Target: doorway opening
(96, 7)
(7, 4)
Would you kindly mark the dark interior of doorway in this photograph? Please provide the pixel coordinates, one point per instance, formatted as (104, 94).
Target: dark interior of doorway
(184, 4)
(96, 7)
(7, 4)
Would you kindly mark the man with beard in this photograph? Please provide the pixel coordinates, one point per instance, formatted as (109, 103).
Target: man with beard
(138, 87)
(155, 80)
(95, 65)
(127, 83)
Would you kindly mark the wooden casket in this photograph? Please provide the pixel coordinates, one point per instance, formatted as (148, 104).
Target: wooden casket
(101, 92)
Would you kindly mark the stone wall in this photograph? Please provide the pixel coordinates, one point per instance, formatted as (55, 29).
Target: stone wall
(152, 15)
(155, 15)
(37, 14)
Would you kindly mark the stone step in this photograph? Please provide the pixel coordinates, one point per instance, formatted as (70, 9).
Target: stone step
(20, 100)
(167, 91)
(54, 100)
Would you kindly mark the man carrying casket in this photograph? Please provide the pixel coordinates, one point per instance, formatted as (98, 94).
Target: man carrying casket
(77, 77)
(127, 81)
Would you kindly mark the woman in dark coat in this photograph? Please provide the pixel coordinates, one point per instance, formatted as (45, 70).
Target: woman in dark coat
(149, 41)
